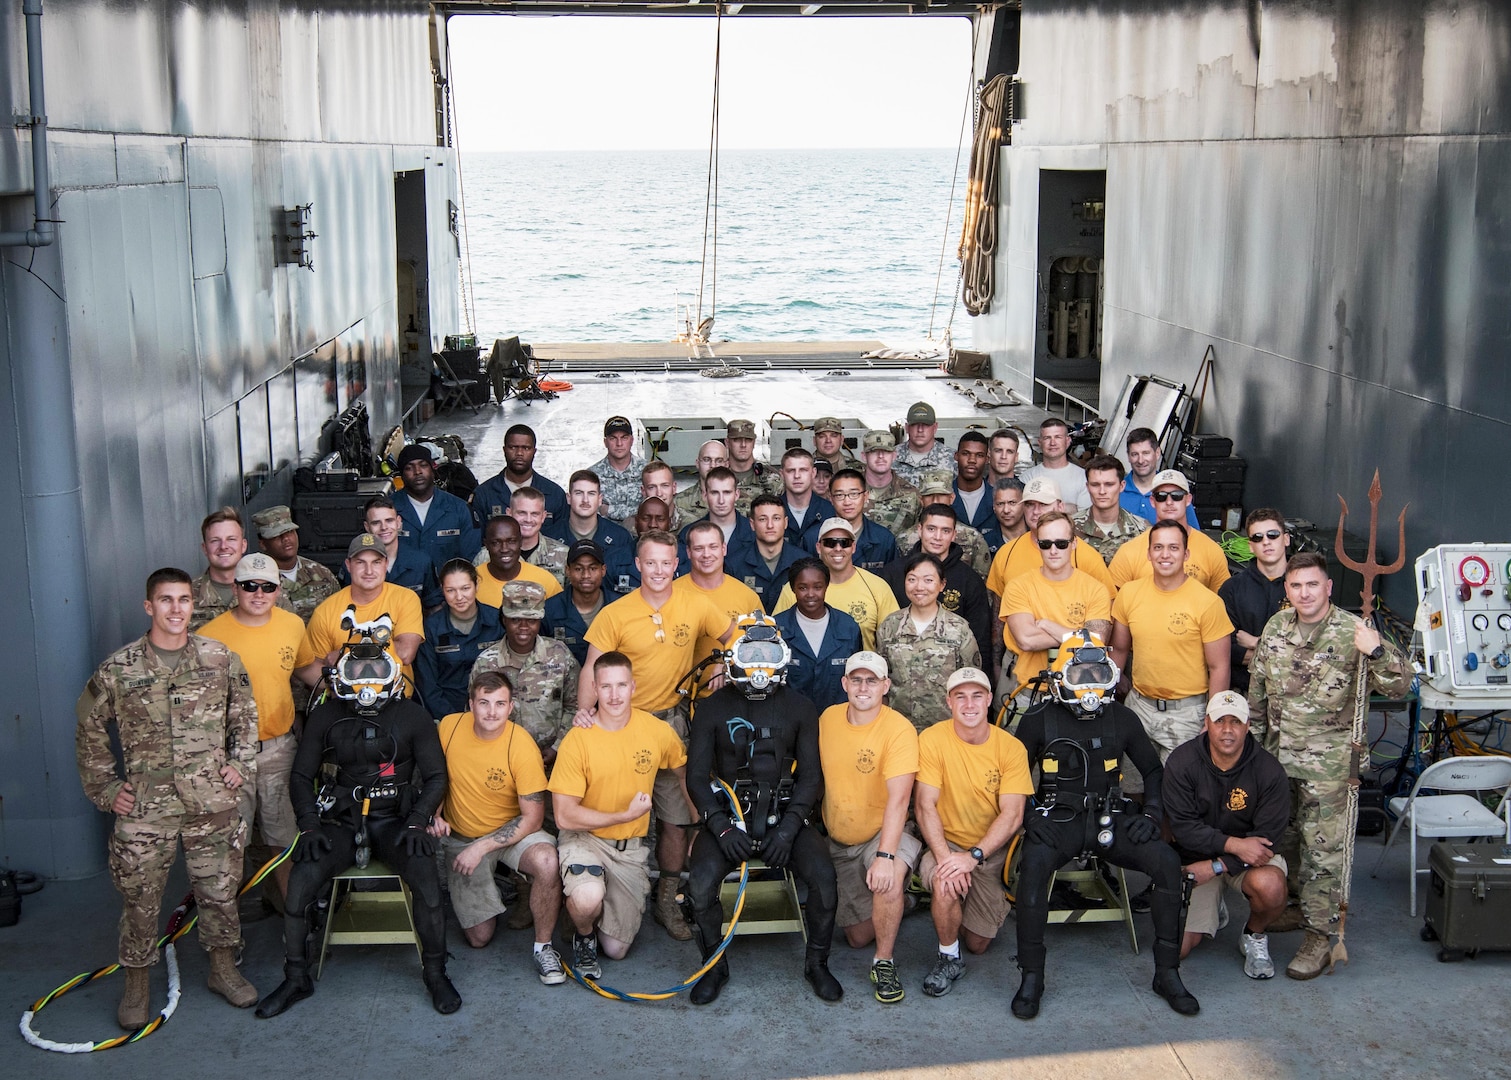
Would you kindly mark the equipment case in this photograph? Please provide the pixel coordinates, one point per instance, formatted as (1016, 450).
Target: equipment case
(328, 520)
(1469, 898)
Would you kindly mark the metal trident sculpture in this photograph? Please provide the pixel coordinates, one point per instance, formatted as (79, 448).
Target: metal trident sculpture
(1370, 569)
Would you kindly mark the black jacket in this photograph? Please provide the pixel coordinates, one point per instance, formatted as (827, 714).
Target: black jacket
(1207, 805)
(1251, 598)
(964, 594)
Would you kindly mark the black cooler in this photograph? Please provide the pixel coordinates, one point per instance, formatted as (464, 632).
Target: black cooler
(1469, 898)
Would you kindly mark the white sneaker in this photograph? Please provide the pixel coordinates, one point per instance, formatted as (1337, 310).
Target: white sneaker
(1256, 956)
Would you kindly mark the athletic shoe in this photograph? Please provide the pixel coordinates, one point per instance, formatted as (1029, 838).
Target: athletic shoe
(946, 970)
(585, 957)
(888, 987)
(1256, 956)
(548, 966)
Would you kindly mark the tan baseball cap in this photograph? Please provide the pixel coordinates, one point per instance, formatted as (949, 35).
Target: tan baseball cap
(835, 524)
(1041, 489)
(1228, 703)
(523, 600)
(274, 521)
(257, 567)
(877, 439)
(740, 429)
(1171, 478)
(828, 423)
(868, 661)
(968, 675)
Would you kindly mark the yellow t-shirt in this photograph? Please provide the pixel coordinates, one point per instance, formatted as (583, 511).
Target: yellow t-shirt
(267, 652)
(857, 761)
(490, 590)
(1205, 560)
(865, 597)
(1021, 555)
(628, 625)
(323, 635)
(1168, 631)
(733, 597)
(605, 768)
(1072, 603)
(486, 777)
(970, 778)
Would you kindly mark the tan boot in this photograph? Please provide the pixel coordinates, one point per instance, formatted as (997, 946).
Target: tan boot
(134, 1007)
(1311, 959)
(226, 981)
(1288, 920)
(668, 914)
(520, 915)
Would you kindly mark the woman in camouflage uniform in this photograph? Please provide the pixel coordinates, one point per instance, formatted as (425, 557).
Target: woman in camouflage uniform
(923, 643)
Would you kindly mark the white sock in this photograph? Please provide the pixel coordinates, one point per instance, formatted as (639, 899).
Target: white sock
(952, 950)
(540, 945)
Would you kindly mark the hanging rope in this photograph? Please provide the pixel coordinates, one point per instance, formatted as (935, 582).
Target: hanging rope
(464, 271)
(944, 247)
(710, 268)
(978, 237)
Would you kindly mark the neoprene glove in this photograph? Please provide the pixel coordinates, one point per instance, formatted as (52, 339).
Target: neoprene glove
(418, 843)
(733, 842)
(313, 846)
(778, 846)
(1140, 829)
(1037, 828)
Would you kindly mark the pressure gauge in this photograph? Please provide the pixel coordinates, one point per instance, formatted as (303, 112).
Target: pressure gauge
(1481, 621)
(1474, 571)
(1504, 622)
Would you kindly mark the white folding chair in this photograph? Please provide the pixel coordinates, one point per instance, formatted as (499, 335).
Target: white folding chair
(1458, 814)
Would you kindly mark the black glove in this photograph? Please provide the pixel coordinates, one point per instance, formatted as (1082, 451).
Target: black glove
(1140, 829)
(733, 842)
(418, 843)
(1037, 828)
(778, 846)
(313, 845)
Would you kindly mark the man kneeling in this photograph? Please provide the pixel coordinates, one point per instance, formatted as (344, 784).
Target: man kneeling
(495, 807)
(601, 793)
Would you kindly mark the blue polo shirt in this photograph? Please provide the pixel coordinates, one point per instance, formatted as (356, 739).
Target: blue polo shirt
(492, 497)
(743, 532)
(983, 516)
(1136, 502)
(745, 563)
(565, 623)
(805, 533)
(443, 665)
(607, 534)
(816, 675)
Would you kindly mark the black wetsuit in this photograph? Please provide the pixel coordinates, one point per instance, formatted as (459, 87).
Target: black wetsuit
(753, 757)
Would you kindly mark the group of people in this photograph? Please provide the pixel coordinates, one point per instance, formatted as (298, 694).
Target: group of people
(805, 663)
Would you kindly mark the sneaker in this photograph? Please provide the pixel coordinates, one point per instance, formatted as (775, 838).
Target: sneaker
(888, 987)
(1256, 956)
(548, 966)
(585, 957)
(946, 970)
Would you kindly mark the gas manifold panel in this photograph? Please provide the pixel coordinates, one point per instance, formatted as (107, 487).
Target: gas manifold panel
(1464, 615)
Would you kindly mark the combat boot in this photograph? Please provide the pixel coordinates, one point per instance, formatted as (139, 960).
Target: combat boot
(1030, 990)
(668, 912)
(816, 971)
(226, 981)
(442, 994)
(296, 986)
(134, 1006)
(1312, 958)
(1288, 920)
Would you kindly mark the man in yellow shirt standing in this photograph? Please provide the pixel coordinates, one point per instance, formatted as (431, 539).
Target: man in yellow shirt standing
(862, 595)
(501, 539)
(1020, 555)
(973, 784)
(494, 812)
(869, 754)
(705, 551)
(1205, 560)
(267, 639)
(601, 793)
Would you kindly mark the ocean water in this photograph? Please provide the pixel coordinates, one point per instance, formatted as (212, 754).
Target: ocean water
(813, 245)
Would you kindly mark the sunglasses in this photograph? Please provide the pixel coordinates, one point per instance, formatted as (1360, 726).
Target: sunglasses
(660, 633)
(1268, 534)
(578, 868)
(1045, 545)
(257, 586)
(837, 542)
(1167, 496)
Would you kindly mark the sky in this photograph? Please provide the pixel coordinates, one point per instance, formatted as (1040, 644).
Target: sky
(623, 83)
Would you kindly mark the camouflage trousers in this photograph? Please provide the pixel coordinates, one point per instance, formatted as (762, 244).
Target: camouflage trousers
(1179, 721)
(142, 852)
(1313, 848)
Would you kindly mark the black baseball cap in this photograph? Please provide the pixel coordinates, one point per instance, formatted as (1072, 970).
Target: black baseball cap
(586, 546)
(617, 424)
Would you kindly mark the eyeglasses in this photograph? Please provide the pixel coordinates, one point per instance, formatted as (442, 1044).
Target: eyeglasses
(660, 633)
(844, 496)
(837, 542)
(1166, 496)
(1268, 534)
(257, 586)
(1045, 545)
(864, 682)
(578, 868)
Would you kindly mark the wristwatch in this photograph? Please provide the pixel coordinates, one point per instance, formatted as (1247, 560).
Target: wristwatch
(886, 855)
(977, 854)
(1219, 867)
(1378, 651)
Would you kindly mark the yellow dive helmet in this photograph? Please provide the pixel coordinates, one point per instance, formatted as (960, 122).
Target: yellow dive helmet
(366, 673)
(757, 657)
(1082, 674)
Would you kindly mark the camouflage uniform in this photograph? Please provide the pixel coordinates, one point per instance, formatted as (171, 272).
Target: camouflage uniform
(911, 465)
(551, 556)
(690, 504)
(1128, 526)
(177, 728)
(895, 507)
(920, 663)
(974, 550)
(545, 686)
(312, 583)
(760, 480)
(843, 460)
(620, 490)
(1302, 686)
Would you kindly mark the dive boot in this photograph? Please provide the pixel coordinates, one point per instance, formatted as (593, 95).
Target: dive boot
(296, 986)
(707, 988)
(669, 912)
(442, 994)
(1167, 985)
(1030, 990)
(816, 971)
(134, 1008)
(1312, 958)
(226, 981)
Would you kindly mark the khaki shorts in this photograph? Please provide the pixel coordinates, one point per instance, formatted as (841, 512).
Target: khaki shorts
(625, 880)
(265, 802)
(475, 897)
(850, 866)
(666, 796)
(1202, 917)
(984, 909)
(1180, 721)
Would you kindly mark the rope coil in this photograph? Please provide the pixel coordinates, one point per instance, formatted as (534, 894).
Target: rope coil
(978, 237)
